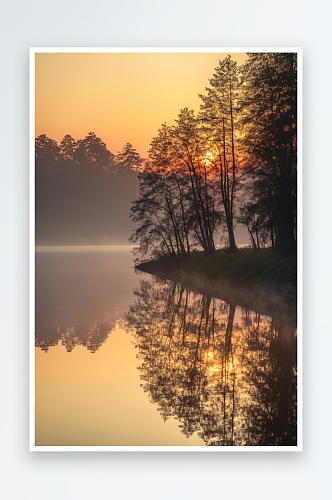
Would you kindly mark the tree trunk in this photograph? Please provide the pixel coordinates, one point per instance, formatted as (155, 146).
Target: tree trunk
(232, 244)
(252, 236)
(256, 231)
(272, 238)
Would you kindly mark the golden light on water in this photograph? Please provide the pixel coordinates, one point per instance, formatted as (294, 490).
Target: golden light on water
(84, 399)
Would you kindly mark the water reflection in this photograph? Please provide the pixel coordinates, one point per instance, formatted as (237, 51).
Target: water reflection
(91, 336)
(226, 373)
(81, 293)
(223, 371)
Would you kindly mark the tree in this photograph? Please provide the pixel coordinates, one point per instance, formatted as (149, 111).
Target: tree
(158, 214)
(177, 191)
(269, 119)
(128, 158)
(258, 211)
(94, 150)
(190, 146)
(218, 114)
(175, 185)
(68, 146)
(46, 150)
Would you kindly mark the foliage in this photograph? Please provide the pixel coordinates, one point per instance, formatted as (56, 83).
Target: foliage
(90, 150)
(269, 120)
(128, 158)
(46, 149)
(177, 207)
(234, 162)
(219, 116)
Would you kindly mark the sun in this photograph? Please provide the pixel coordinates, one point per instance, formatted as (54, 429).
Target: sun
(208, 158)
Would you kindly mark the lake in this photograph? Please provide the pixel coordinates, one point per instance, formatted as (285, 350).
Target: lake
(126, 359)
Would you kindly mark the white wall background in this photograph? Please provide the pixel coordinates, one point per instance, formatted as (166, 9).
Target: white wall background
(25, 475)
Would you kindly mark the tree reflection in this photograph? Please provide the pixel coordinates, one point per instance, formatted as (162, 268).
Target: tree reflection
(91, 336)
(224, 372)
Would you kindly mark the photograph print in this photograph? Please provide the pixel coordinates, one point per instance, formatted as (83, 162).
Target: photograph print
(164, 247)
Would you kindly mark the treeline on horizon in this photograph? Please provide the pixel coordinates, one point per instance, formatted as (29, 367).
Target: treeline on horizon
(83, 191)
(91, 150)
(235, 162)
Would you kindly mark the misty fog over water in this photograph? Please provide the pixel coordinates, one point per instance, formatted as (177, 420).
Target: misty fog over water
(83, 205)
(80, 205)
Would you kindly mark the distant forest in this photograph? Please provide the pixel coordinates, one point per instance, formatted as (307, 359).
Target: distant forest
(83, 191)
(234, 162)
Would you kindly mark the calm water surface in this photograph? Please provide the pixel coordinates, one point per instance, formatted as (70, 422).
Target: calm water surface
(125, 359)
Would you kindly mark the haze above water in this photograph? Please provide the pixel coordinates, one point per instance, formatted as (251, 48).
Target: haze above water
(125, 359)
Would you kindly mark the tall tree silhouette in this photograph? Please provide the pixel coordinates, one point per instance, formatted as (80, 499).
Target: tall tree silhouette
(68, 146)
(128, 158)
(47, 150)
(219, 115)
(178, 191)
(155, 212)
(191, 147)
(269, 118)
(94, 150)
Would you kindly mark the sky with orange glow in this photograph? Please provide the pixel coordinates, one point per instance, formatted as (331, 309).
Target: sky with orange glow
(122, 97)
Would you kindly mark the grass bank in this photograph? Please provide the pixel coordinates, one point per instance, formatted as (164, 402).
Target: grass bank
(263, 267)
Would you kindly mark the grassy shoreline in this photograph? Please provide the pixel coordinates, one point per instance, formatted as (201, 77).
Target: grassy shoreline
(262, 268)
